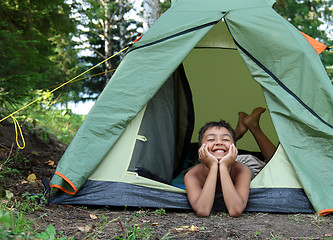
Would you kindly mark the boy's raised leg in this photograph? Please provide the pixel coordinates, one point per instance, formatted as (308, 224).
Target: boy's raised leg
(251, 121)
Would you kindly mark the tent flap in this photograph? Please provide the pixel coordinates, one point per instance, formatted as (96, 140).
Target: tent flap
(285, 66)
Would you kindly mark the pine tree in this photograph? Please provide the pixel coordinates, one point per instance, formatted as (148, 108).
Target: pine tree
(107, 30)
(30, 32)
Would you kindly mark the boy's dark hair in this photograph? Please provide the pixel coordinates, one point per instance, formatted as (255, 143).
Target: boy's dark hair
(219, 124)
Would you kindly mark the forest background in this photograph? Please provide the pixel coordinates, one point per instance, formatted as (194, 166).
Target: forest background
(44, 44)
(46, 50)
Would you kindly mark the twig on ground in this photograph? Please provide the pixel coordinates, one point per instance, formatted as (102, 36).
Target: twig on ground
(11, 150)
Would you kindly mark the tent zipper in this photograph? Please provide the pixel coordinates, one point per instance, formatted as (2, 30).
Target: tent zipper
(175, 35)
(278, 81)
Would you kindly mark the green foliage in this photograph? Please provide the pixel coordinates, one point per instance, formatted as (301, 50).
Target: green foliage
(311, 17)
(160, 211)
(32, 202)
(256, 234)
(133, 230)
(6, 172)
(46, 120)
(107, 32)
(165, 5)
(15, 225)
(36, 50)
(49, 233)
(62, 124)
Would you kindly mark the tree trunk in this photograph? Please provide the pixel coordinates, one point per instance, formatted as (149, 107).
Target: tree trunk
(107, 39)
(122, 28)
(151, 12)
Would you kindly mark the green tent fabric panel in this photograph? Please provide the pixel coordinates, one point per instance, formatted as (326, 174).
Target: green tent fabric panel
(287, 54)
(115, 164)
(298, 93)
(222, 86)
(186, 14)
(277, 173)
(138, 77)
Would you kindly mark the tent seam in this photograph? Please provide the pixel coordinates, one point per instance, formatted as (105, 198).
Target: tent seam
(281, 84)
(175, 35)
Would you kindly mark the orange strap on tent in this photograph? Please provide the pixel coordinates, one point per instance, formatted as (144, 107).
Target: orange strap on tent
(318, 46)
(68, 181)
(325, 212)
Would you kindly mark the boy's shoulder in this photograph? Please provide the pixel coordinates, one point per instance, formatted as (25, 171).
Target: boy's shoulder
(239, 168)
(196, 171)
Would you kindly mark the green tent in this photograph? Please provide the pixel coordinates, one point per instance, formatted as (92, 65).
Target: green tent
(203, 61)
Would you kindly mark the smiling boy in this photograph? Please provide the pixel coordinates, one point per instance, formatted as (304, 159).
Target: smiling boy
(219, 171)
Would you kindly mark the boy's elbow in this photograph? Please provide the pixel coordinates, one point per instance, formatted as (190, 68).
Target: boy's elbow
(236, 212)
(202, 212)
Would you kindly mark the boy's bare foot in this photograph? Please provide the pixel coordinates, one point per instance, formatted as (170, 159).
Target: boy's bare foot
(252, 121)
(241, 129)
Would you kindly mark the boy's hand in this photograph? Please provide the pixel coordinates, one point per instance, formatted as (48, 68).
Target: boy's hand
(230, 158)
(206, 157)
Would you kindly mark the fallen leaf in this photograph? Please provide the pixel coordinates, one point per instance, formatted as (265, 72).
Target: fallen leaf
(140, 212)
(194, 228)
(32, 178)
(24, 181)
(93, 216)
(188, 228)
(50, 163)
(179, 229)
(85, 228)
(154, 224)
(9, 194)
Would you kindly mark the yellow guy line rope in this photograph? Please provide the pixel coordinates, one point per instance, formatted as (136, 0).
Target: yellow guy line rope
(16, 124)
(112, 70)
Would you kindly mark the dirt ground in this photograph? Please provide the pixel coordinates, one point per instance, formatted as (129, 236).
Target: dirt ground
(40, 157)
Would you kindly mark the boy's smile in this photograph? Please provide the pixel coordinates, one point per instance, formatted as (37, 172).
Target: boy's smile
(218, 140)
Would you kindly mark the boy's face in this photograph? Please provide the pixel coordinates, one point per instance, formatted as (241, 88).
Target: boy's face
(218, 140)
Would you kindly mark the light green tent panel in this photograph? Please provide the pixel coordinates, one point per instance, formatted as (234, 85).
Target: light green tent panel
(133, 178)
(222, 85)
(116, 162)
(277, 173)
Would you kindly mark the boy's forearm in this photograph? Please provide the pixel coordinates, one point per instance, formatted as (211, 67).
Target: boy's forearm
(232, 198)
(204, 204)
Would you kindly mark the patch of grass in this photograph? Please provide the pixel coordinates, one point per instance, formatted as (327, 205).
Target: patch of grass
(296, 218)
(141, 213)
(256, 234)
(319, 220)
(160, 211)
(32, 202)
(133, 230)
(61, 124)
(14, 224)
